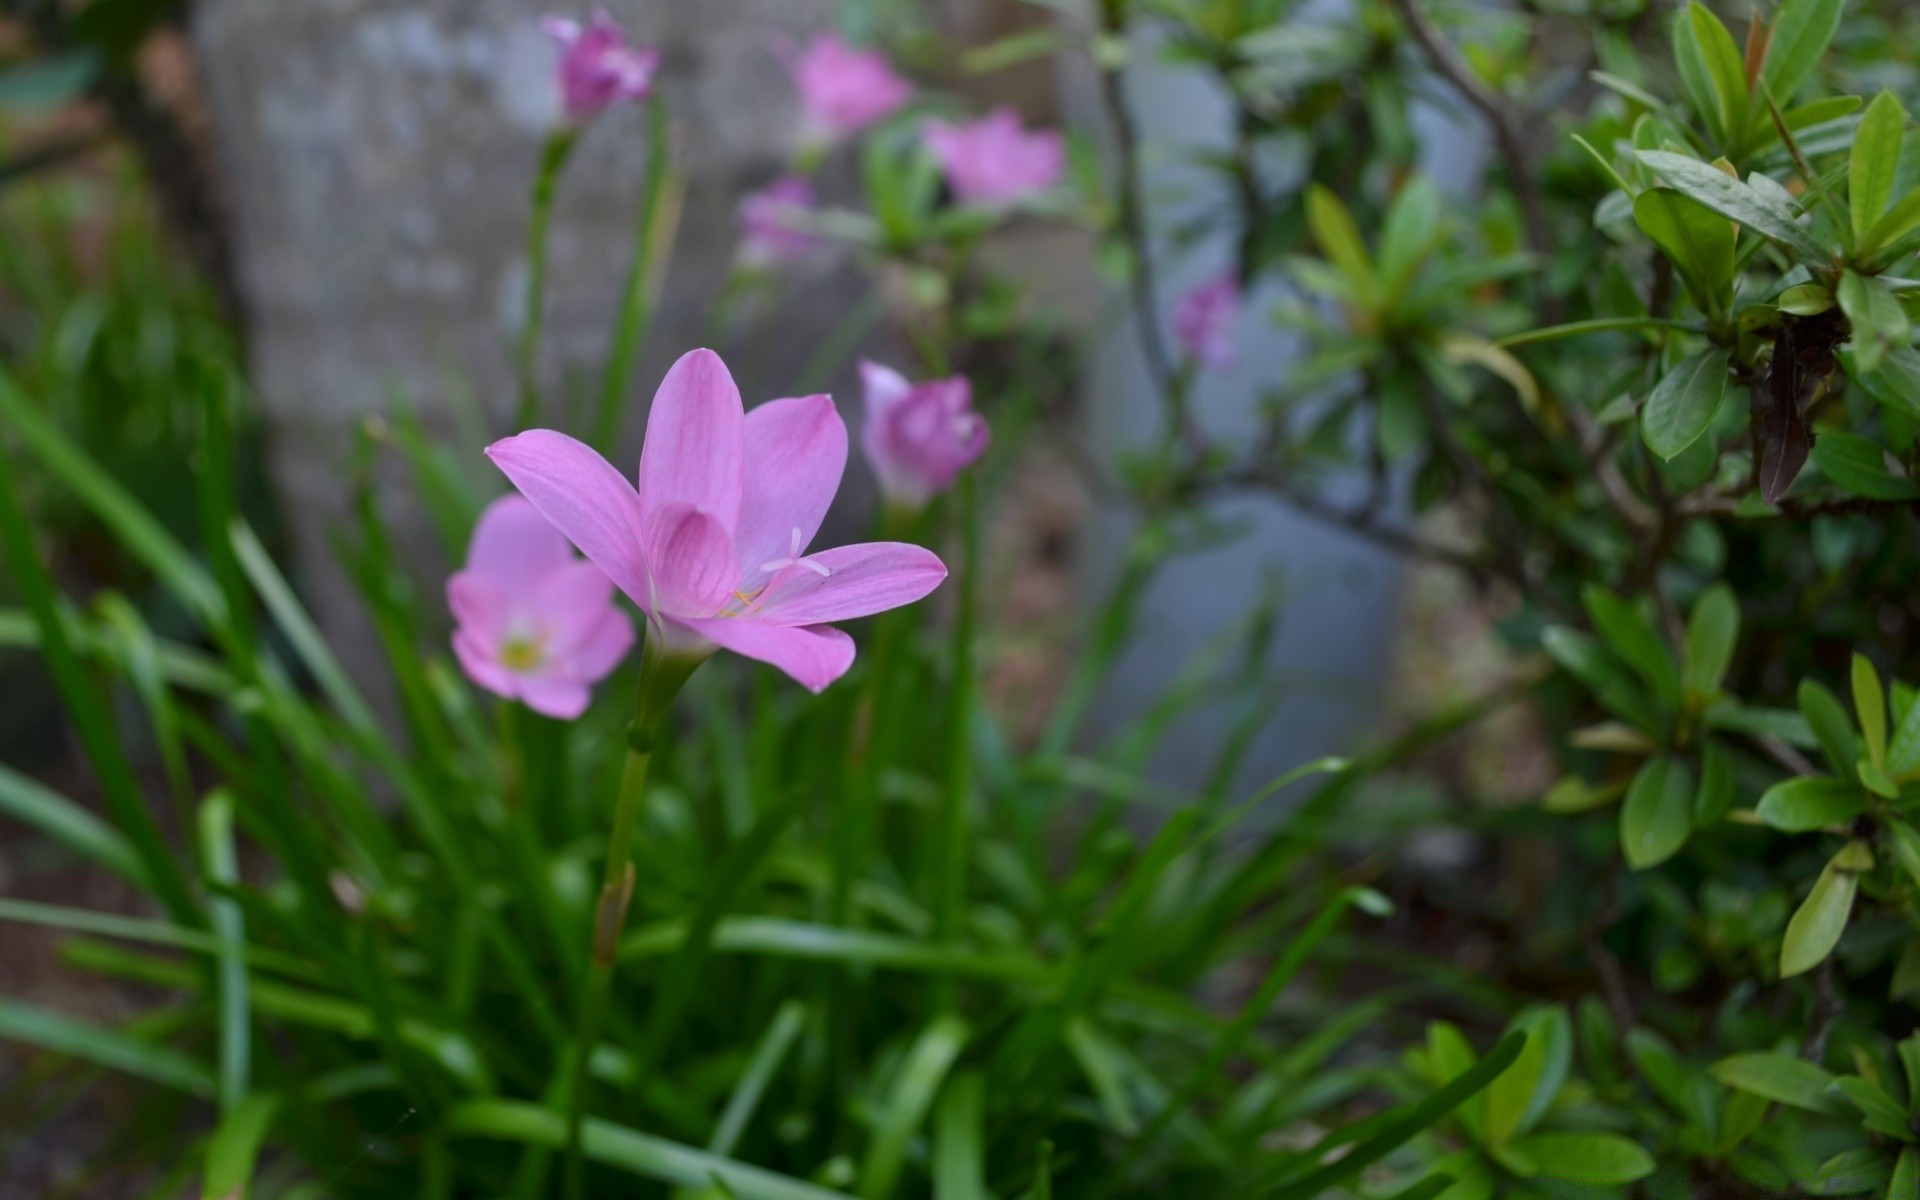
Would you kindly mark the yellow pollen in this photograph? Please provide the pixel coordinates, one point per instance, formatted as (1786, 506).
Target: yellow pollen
(521, 654)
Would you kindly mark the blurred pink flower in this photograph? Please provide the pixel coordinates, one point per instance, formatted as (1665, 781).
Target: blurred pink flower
(598, 67)
(713, 543)
(768, 230)
(843, 89)
(918, 437)
(532, 622)
(1204, 320)
(995, 161)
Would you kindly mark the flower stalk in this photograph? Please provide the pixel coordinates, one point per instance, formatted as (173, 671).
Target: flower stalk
(553, 159)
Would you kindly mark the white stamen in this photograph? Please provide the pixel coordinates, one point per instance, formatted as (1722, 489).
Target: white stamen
(793, 559)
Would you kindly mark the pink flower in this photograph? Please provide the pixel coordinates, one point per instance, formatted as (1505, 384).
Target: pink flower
(598, 67)
(995, 162)
(713, 543)
(843, 89)
(1204, 320)
(532, 622)
(918, 437)
(769, 233)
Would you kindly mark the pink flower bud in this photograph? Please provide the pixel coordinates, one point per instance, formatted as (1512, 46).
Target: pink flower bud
(1204, 320)
(843, 89)
(598, 67)
(994, 162)
(769, 232)
(919, 437)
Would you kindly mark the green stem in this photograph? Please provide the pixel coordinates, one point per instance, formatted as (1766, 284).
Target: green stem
(553, 157)
(1602, 325)
(950, 913)
(636, 304)
(661, 677)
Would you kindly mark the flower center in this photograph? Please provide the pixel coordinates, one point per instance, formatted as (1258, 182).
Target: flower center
(522, 654)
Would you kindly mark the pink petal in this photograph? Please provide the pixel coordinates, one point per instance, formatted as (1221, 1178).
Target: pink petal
(814, 656)
(595, 656)
(694, 568)
(695, 441)
(554, 696)
(796, 452)
(585, 498)
(868, 578)
(571, 602)
(479, 606)
(884, 387)
(476, 659)
(512, 542)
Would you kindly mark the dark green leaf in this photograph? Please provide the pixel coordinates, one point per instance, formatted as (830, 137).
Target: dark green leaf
(1802, 30)
(1685, 400)
(1875, 162)
(1879, 324)
(1860, 466)
(1781, 1078)
(1658, 813)
(1598, 1158)
(1811, 802)
(1735, 200)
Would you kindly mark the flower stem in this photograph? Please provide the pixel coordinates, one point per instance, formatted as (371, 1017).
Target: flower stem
(950, 914)
(636, 304)
(553, 157)
(661, 676)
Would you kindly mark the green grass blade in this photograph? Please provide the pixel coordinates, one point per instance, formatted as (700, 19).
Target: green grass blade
(235, 1145)
(230, 981)
(627, 1150)
(61, 1034)
(959, 1142)
(906, 1108)
(29, 801)
(788, 1022)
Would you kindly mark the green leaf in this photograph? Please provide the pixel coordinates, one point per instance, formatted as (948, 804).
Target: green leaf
(1696, 75)
(959, 1145)
(1875, 162)
(1879, 324)
(1599, 1158)
(1399, 1126)
(1781, 1078)
(1860, 466)
(627, 1150)
(1631, 636)
(61, 1034)
(235, 1145)
(1820, 920)
(1895, 384)
(1903, 752)
(1698, 240)
(1713, 627)
(1717, 785)
(1737, 201)
(1802, 30)
(1878, 1110)
(1806, 300)
(1905, 1184)
(1830, 727)
(1407, 237)
(1891, 230)
(1903, 844)
(1811, 802)
(1685, 400)
(1724, 68)
(911, 1098)
(787, 1025)
(1870, 706)
(41, 808)
(1515, 1101)
(1658, 813)
(1339, 239)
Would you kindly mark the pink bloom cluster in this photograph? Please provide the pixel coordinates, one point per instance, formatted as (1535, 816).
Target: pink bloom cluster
(598, 67)
(843, 88)
(769, 232)
(712, 544)
(532, 622)
(995, 162)
(918, 437)
(1204, 320)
